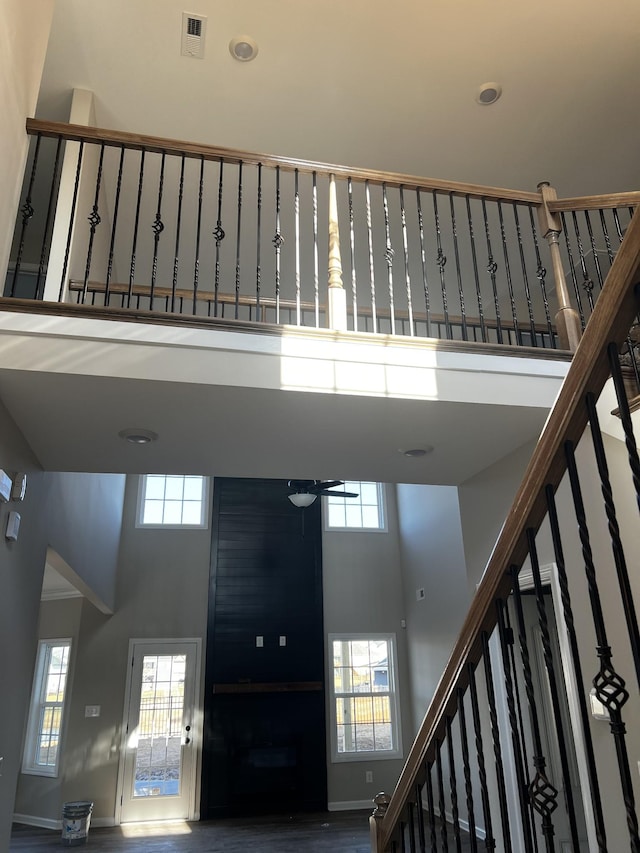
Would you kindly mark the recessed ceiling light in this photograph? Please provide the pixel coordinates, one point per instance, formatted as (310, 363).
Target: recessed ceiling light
(138, 436)
(243, 48)
(488, 94)
(417, 452)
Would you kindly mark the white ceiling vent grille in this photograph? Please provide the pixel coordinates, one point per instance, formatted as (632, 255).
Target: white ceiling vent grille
(194, 28)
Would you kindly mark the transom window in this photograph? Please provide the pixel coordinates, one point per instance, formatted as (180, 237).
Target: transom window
(44, 728)
(365, 720)
(172, 500)
(366, 512)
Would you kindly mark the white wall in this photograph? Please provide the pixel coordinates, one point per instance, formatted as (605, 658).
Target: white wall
(24, 32)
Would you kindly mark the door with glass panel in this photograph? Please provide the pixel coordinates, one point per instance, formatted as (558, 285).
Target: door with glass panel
(159, 762)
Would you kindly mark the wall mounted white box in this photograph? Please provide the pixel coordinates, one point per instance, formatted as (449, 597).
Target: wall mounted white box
(13, 526)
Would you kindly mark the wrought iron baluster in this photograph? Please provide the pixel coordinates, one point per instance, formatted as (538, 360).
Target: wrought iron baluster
(541, 274)
(157, 228)
(238, 239)
(116, 207)
(420, 815)
(296, 217)
(72, 217)
(542, 794)
(594, 787)
(402, 841)
(594, 250)
(94, 220)
(316, 277)
(441, 802)
(614, 531)
(525, 277)
(388, 256)
(521, 779)
(610, 687)
(587, 283)
(277, 241)
(572, 270)
(176, 254)
(605, 234)
(219, 235)
(134, 245)
(258, 247)
(52, 196)
(423, 258)
(507, 270)
(432, 816)
(412, 828)
(453, 786)
(372, 277)
(196, 265)
(625, 416)
(476, 277)
(468, 787)
(492, 268)
(441, 260)
(27, 212)
(405, 246)
(489, 840)
(619, 230)
(352, 251)
(456, 253)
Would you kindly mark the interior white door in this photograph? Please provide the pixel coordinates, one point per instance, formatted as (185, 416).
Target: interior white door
(158, 779)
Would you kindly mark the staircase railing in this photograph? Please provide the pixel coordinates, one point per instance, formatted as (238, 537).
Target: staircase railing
(491, 767)
(129, 221)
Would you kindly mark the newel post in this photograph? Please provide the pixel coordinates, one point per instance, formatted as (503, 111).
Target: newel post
(567, 318)
(337, 297)
(382, 801)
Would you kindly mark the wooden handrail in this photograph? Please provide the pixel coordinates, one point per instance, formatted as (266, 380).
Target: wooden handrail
(595, 202)
(610, 322)
(137, 141)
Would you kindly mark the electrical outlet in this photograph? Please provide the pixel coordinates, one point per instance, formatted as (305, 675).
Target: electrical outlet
(283, 640)
(368, 776)
(259, 642)
(420, 594)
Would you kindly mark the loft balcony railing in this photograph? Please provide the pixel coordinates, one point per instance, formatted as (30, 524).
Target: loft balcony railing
(501, 761)
(123, 221)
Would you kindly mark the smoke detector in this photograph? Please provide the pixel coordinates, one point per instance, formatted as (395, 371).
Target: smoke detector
(243, 48)
(193, 32)
(488, 93)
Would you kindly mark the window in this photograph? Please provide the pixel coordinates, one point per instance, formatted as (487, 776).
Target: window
(168, 500)
(44, 729)
(365, 720)
(366, 512)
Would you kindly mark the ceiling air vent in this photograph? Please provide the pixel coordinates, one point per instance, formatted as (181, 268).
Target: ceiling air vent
(193, 32)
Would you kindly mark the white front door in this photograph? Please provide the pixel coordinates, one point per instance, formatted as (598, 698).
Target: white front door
(159, 762)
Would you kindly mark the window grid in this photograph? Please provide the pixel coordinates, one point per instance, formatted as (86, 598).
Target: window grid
(362, 513)
(42, 749)
(172, 501)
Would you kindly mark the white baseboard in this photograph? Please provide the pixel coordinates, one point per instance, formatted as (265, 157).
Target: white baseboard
(350, 805)
(42, 822)
(103, 821)
(464, 824)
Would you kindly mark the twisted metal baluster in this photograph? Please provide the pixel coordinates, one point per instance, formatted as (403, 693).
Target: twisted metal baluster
(412, 828)
(441, 260)
(176, 254)
(316, 277)
(388, 256)
(423, 258)
(625, 417)
(587, 283)
(610, 687)
(219, 235)
(134, 245)
(507, 270)
(278, 241)
(405, 247)
(420, 814)
(572, 270)
(492, 268)
(525, 277)
(456, 254)
(594, 250)
(157, 228)
(594, 787)
(542, 793)
(196, 265)
(432, 817)
(476, 277)
(258, 246)
(52, 196)
(367, 192)
(94, 220)
(27, 211)
(468, 787)
(614, 532)
(521, 779)
(238, 241)
(541, 274)
(489, 840)
(453, 787)
(112, 242)
(67, 251)
(441, 805)
(296, 218)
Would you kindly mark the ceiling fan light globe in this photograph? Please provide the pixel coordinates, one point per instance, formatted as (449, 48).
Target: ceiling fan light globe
(302, 499)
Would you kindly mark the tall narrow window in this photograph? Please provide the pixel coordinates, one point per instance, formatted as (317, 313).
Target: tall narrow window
(44, 729)
(170, 500)
(366, 512)
(365, 720)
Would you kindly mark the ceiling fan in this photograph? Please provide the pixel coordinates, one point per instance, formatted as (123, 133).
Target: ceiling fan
(304, 492)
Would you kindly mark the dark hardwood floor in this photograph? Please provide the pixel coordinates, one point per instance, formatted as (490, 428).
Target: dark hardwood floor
(339, 832)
